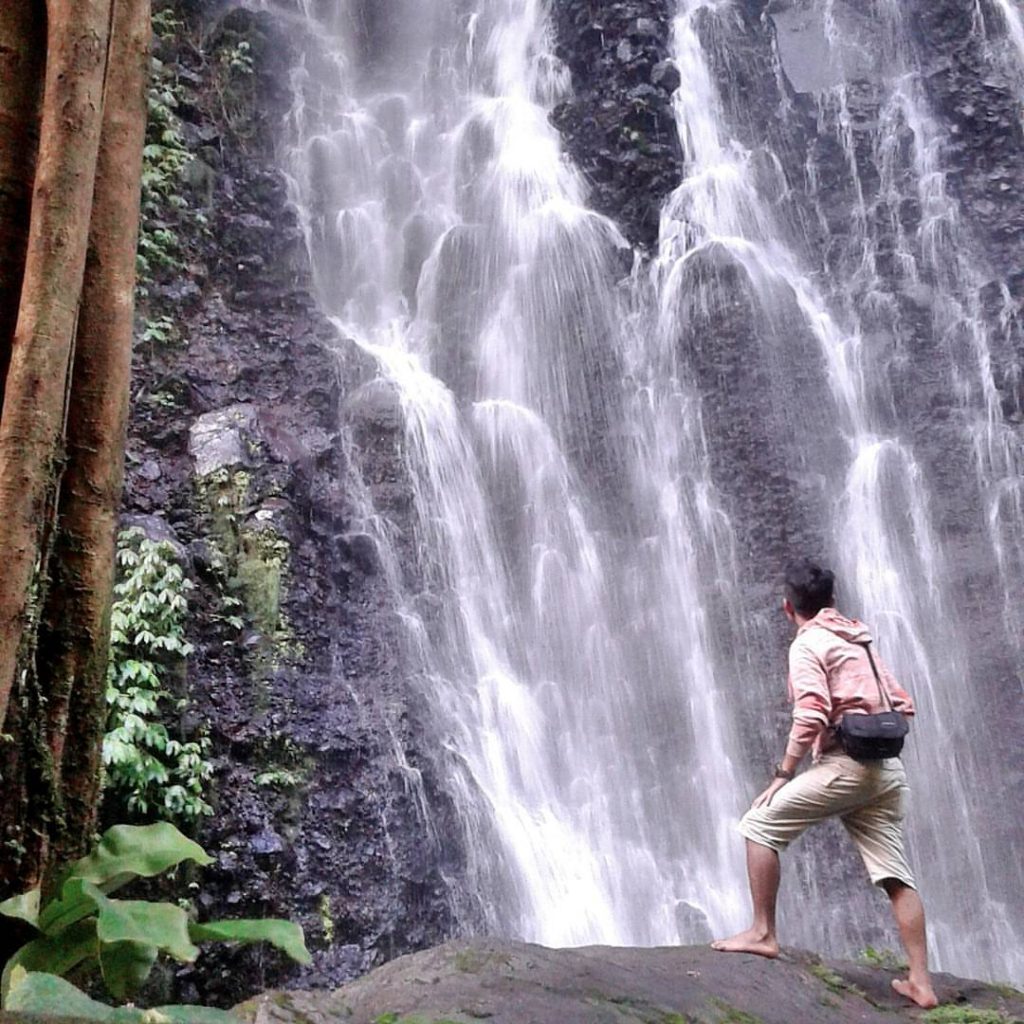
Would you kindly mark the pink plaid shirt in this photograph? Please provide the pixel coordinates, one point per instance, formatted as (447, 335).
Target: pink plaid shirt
(830, 676)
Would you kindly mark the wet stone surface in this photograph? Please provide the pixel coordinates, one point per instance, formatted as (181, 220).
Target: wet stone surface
(618, 126)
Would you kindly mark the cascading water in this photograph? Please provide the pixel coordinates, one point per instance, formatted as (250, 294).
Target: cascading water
(1013, 22)
(563, 643)
(571, 582)
(884, 542)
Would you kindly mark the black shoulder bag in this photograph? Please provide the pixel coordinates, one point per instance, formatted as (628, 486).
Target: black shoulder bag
(873, 737)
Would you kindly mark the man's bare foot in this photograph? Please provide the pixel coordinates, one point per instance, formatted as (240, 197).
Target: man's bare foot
(749, 941)
(918, 992)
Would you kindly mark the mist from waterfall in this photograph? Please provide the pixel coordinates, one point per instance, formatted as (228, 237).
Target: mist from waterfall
(573, 591)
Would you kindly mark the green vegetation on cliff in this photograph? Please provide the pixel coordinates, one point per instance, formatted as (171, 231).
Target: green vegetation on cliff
(152, 770)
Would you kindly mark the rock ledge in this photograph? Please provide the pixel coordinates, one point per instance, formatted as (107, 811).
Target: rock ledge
(504, 982)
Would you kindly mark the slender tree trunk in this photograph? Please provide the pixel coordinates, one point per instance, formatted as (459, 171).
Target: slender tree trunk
(75, 628)
(34, 399)
(22, 64)
(22, 53)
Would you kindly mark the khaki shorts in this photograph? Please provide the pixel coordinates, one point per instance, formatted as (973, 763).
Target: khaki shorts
(868, 798)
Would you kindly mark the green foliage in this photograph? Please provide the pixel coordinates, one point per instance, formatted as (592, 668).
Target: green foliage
(279, 778)
(164, 398)
(235, 86)
(166, 214)
(166, 23)
(160, 331)
(237, 58)
(164, 155)
(254, 557)
(965, 1015)
(151, 771)
(285, 935)
(835, 982)
(225, 494)
(326, 918)
(261, 570)
(827, 976)
(230, 606)
(83, 929)
(884, 958)
(37, 993)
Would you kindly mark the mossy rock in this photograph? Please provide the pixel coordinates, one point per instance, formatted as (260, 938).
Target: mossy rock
(39, 1018)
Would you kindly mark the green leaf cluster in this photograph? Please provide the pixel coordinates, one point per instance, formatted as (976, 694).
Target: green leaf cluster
(167, 216)
(237, 59)
(83, 929)
(164, 156)
(160, 331)
(884, 958)
(150, 770)
(36, 993)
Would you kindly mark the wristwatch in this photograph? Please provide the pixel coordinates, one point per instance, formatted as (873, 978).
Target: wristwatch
(781, 773)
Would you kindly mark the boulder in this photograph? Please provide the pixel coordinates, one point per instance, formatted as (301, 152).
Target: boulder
(221, 439)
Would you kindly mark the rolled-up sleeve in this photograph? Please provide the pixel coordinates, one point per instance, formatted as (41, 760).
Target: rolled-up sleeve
(812, 703)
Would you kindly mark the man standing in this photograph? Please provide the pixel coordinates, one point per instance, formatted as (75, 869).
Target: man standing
(831, 675)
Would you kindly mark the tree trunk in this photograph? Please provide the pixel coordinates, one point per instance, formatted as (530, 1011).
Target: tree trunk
(75, 628)
(33, 412)
(22, 53)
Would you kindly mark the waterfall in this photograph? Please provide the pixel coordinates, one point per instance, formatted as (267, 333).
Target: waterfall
(1013, 22)
(565, 555)
(562, 637)
(886, 547)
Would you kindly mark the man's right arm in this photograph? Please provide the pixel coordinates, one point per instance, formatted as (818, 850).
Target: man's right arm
(812, 702)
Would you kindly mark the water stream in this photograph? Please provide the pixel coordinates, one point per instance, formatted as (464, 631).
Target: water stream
(574, 600)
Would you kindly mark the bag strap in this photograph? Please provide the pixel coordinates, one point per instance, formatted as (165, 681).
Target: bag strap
(886, 702)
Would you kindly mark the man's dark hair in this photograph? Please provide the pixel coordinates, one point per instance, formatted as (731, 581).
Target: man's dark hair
(809, 587)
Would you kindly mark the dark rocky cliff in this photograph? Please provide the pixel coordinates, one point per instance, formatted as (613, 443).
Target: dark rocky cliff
(618, 126)
(321, 773)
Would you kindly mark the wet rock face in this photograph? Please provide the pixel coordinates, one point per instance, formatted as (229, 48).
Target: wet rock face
(236, 455)
(986, 126)
(816, 187)
(618, 126)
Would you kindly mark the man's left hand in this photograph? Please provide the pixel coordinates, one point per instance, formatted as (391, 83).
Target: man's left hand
(766, 797)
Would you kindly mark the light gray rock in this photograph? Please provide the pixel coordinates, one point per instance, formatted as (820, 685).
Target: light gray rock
(812, 61)
(221, 439)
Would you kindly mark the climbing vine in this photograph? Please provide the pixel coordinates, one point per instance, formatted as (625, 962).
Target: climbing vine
(155, 773)
(166, 213)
